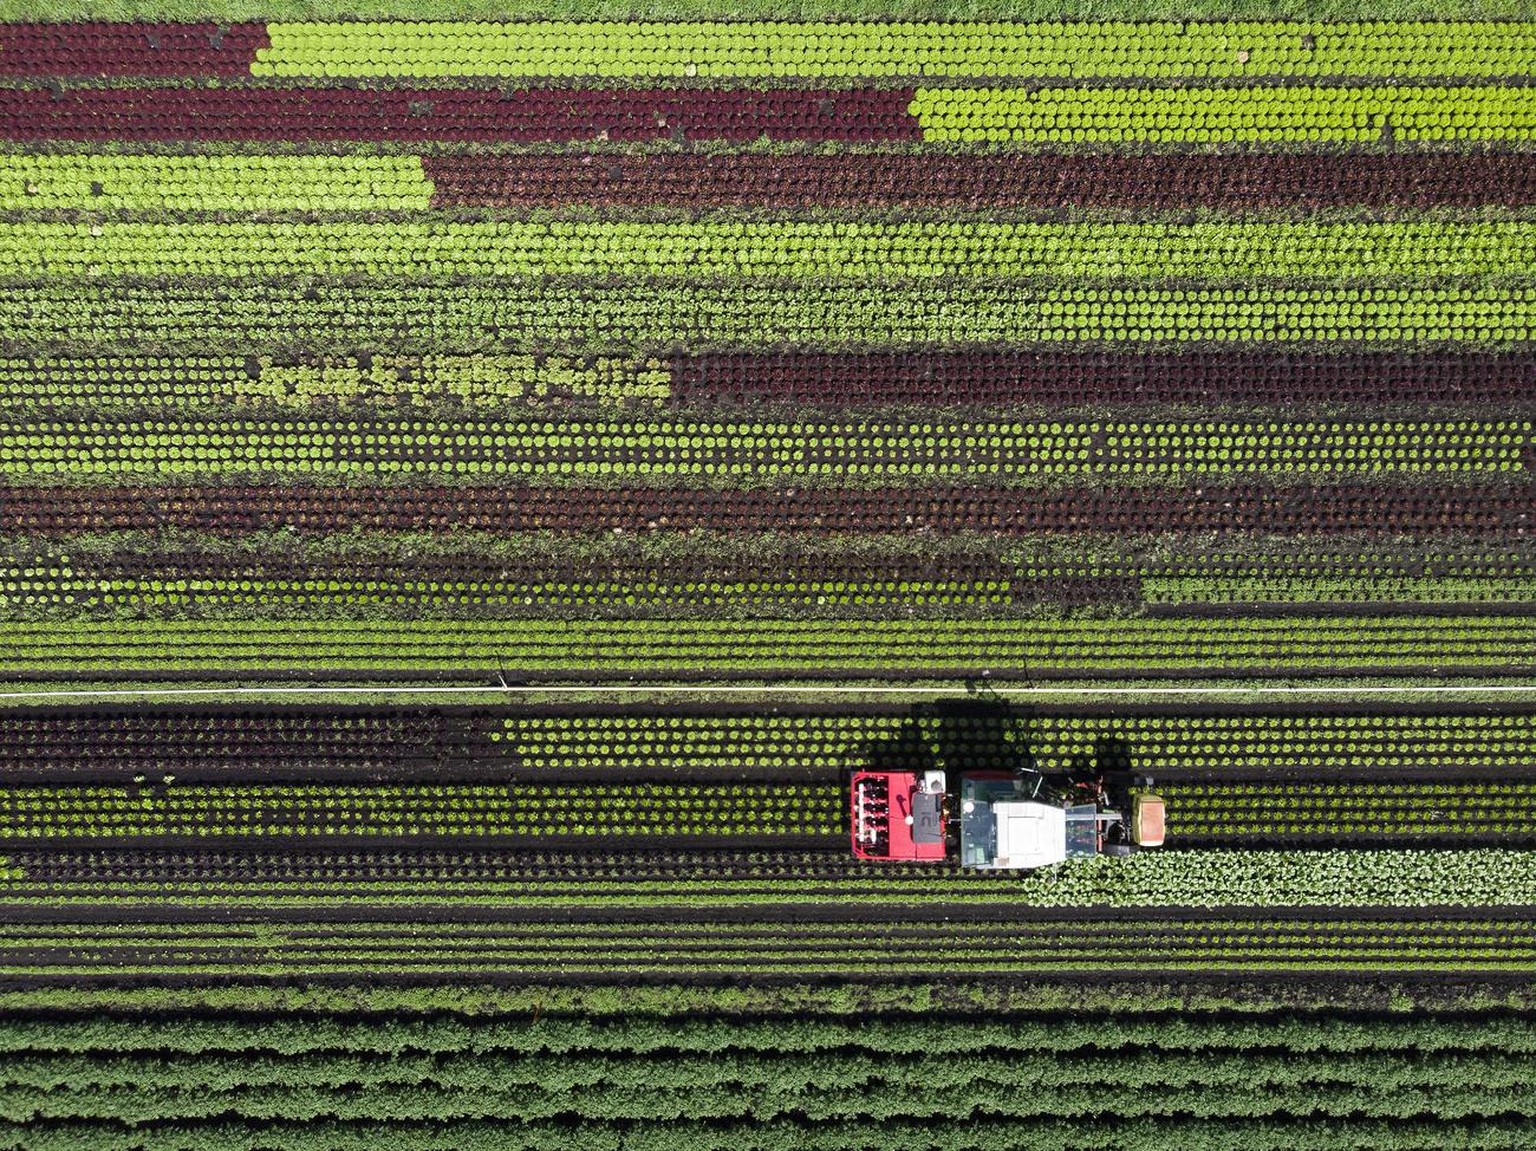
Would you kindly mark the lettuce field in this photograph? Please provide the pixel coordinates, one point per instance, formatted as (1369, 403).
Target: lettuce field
(476, 483)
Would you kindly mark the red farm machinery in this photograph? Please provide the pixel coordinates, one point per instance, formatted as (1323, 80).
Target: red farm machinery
(1001, 820)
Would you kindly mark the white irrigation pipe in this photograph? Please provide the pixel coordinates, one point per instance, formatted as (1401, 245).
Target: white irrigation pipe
(780, 689)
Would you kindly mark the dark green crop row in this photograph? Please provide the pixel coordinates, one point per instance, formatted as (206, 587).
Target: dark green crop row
(716, 1089)
(95, 1087)
(384, 1037)
(1241, 812)
(285, 883)
(1236, 812)
(607, 649)
(714, 579)
(997, 1134)
(695, 948)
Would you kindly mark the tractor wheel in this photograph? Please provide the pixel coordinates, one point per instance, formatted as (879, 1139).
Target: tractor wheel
(1118, 850)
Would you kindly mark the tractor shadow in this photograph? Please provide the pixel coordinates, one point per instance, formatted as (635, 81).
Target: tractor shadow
(982, 734)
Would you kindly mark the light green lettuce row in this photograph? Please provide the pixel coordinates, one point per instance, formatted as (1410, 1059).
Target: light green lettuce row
(601, 649)
(569, 316)
(1311, 744)
(213, 183)
(762, 49)
(1227, 250)
(1287, 879)
(1119, 115)
(117, 383)
(865, 451)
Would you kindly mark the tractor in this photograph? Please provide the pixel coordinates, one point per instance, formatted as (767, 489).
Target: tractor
(1002, 820)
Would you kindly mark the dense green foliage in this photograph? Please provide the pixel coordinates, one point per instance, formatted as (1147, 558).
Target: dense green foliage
(1171, 1080)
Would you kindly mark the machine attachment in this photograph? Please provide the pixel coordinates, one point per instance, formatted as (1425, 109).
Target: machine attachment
(898, 815)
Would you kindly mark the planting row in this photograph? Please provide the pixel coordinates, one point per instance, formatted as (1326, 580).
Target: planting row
(942, 736)
(246, 183)
(1370, 509)
(1024, 1034)
(1219, 115)
(1275, 579)
(785, 250)
(94, 48)
(1206, 812)
(1421, 1133)
(102, 183)
(763, 49)
(307, 745)
(191, 585)
(469, 115)
(1235, 813)
(700, 947)
(603, 649)
(297, 881)
(866, 450)
(1061, 180)
(229, 745)
(44, 384)
(101, 384)
(602, 317)
(688, 50)
(504, 811)
(1071, 376)
(1285, 578)
(1050, 116)
(61, 592)
(741, 1084)
(335, 1090)
(1270, 1082)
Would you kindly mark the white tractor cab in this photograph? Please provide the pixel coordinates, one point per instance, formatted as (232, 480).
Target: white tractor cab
(1002, 820)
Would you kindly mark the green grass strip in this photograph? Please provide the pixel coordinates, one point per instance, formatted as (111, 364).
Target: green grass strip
(560, 315)
(1399, 645)
(1274, 115)
(212, 183)
(1084, 252)
(757, 50)
(662, 449)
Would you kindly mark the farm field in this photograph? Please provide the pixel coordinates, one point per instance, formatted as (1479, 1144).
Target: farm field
(474, 488)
